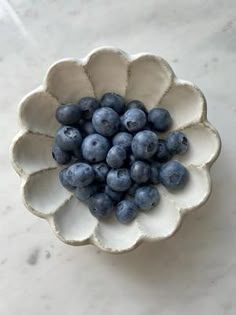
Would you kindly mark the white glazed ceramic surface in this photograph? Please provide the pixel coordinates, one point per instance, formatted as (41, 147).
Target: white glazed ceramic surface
(145, 77)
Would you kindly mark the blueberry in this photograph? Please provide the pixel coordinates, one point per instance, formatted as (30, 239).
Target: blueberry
(106, 121)
(160, 119)
(60, 156)
(177, 142)
(155, 171)
(119, 179)
(173, 175)
(100, 205)
(134, 119)
(144, 144)
(116, 156)
(114, 101)
(84, 193)
(147, 197)
(80, 174)
(136, 104)
(101, 170)
(94, 148)
(140, 172)
(123, 139)
(88, 105)
(64, 180)
(163, 154)
(132, 189)
(68, 138)
(87, 128)
(116, 196)
(126, 211)
(68, 114)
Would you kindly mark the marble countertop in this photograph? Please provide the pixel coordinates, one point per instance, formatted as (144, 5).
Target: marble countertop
(194, 271)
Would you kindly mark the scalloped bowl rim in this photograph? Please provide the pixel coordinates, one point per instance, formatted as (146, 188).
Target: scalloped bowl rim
(92, 239)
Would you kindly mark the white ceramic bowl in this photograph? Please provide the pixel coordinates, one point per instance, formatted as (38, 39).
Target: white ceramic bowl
(145, 77)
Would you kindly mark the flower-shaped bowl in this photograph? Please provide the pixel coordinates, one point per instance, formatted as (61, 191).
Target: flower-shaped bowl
(145, 77)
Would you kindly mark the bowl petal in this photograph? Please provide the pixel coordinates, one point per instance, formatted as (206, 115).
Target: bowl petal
(185, 102)
(150, 77)
(73, 222)
(195, 193)
(204, 145)
(37, 112)
(68, 82)
(43, 193)
(112, 236)
(32, 152)
(161, 222)
(107, 69)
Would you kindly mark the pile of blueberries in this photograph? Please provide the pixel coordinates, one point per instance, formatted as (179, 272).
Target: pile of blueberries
(115, 155)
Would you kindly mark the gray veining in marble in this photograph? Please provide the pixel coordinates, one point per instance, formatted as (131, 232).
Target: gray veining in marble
(193, 272)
